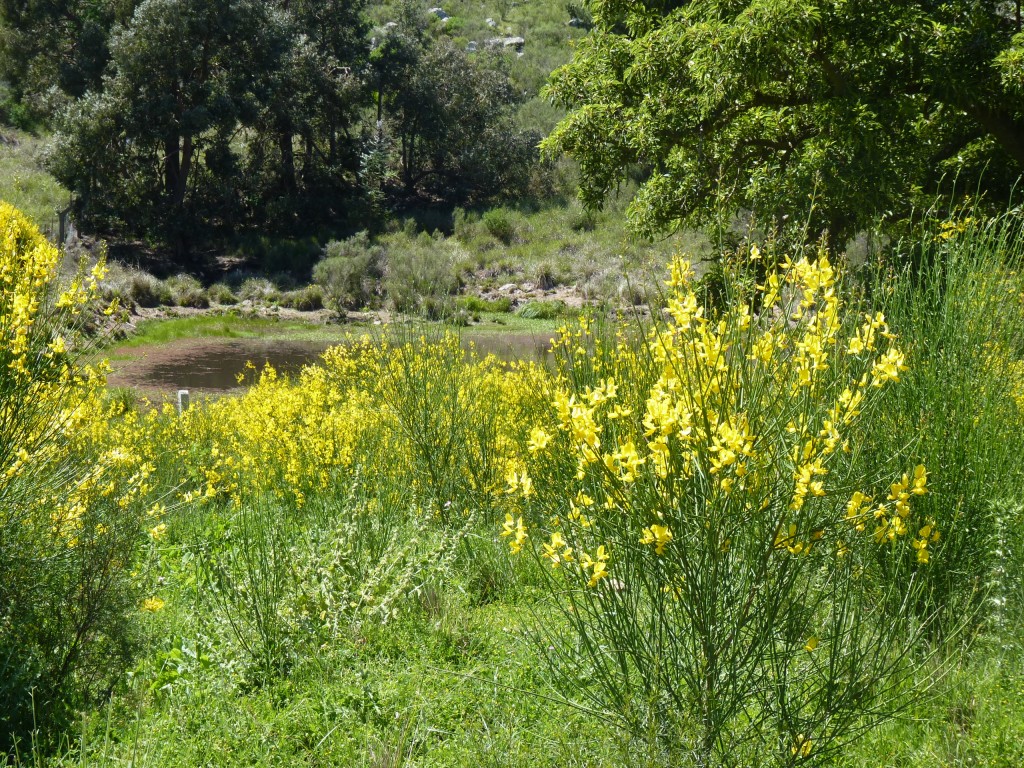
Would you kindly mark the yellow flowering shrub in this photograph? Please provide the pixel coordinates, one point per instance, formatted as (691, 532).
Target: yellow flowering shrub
(69, 516)
(697, 492)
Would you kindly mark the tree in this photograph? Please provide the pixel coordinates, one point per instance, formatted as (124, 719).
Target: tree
(452, 119)
(184, 76)
(54, 49)
(317, 94)
(832, 112)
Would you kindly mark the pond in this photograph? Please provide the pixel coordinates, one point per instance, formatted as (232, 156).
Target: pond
(213, 365)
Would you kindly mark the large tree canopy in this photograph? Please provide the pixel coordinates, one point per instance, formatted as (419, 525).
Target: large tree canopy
(832, 112)
(184, 75)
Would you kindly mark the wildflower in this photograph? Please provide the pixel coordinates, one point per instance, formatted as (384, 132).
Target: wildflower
(539, 440)
(628, 461)
(812, 643)
(517, 531)
(658, 535)
(557, 551)
(920, 482)
(802, 746)
(855, 510)
(519, 481)
(158, 531)
(788, 540)
(597, 565)
(887, 367)
(152, 604)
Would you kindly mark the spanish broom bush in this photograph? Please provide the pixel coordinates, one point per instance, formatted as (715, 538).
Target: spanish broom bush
(723, 558)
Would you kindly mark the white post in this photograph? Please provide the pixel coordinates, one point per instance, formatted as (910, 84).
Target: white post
(182, 401)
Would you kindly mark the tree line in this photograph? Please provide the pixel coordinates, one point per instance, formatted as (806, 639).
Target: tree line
(184, 120)
(179, 118)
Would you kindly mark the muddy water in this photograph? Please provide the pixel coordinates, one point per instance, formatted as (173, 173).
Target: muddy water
(213, 365)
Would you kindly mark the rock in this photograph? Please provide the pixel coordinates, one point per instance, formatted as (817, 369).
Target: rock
(471, 46)
(507, 43)
(439, 12)
(528, 287)
(490, 23)
(391, 25)
(508, 288)
(577, 24)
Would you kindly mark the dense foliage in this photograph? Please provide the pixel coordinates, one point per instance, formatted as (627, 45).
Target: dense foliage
(183, 121)
(653, 481)
(822, 113)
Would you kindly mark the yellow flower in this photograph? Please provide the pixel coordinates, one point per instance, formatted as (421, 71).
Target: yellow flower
(539, 440)
(812, 643)
(152, 604)
(659, 536)
(557, 551)
(157, 532)
(597, 565)
(887, 367)
(920, 483)
(802, 746)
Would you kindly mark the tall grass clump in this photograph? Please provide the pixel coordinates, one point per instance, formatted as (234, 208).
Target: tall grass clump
(70, 518)
(722, 557)
(960, 314)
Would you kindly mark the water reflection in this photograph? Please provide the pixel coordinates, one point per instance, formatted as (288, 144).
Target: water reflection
(214, 365)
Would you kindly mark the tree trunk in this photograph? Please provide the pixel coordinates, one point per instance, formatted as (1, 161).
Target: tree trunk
(287, 160)
(172, 167)
(187, 151)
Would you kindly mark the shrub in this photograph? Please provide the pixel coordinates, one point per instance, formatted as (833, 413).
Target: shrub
(258, 289)
(221, 293)
(476, 304)
(961, 314)
(419, 269)
(149, 291)
(69, 517)
(305, 299)
(736, 583)
(188, 292)
(541, 310)
(498, 222)
(350, 272)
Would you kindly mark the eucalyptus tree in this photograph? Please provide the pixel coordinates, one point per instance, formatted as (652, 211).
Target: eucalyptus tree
(833, 112)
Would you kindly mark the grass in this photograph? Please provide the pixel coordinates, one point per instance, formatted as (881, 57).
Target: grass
(25, 184)
(330, 606)
(167, 330)
(455, 688)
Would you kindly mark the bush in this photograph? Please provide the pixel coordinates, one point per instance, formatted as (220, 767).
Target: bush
(148, 291)
(542, 310)
(419, 269)
(961, 314)
(475, 304)
(350, 272)
(258, 289)
(498, 222)
(221, 293)
(305, 299)
(70, 519)
(737, 584)
(188, 292)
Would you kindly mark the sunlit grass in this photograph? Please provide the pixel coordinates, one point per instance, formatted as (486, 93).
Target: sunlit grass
(23, 182)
